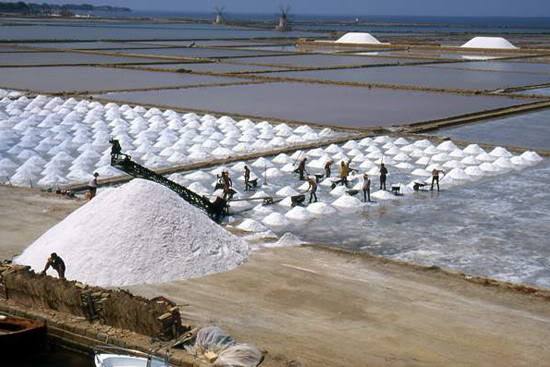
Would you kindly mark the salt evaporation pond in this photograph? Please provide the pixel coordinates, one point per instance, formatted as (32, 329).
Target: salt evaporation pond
(331, 104)
(496, 228)
(484, 223)
(529, 130)
(424, 76)
(65, 58)
(88, 78)
(195, 52)
(511, 66)
(216, 67)
(323, 60)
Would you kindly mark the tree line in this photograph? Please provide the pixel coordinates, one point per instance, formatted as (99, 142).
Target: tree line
(34, 8)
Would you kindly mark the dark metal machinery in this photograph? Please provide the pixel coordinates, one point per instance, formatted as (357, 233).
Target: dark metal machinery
(215, 210)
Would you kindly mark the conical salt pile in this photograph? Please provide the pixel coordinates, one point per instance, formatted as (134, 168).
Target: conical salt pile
(122, 237)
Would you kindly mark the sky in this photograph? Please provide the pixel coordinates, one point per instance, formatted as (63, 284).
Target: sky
(522, 8)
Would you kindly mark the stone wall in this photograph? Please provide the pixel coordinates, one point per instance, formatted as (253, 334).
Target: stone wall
(157, 317)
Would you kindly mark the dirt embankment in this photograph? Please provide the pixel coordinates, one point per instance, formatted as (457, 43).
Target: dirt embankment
(321, 307)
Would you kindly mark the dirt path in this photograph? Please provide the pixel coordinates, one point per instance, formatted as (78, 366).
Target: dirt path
(323, 308)
(26, 214)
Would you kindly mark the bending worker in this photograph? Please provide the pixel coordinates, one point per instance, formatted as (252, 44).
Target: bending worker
(57, 264)
(435, 178)
(383, 175)
(328, 168)
(313, 187)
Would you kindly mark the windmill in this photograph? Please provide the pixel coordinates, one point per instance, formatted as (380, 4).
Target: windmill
(283, 25)
(219, 14)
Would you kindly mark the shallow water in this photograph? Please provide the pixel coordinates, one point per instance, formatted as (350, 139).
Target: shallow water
(541, 91)
(431, 54)
(324, 60)
(194, 52)
(527, 67)
(73, 78)
(329, 104)
(214, 67)
(61, 58)
(426, 76)
(496, 227)
(530, 130)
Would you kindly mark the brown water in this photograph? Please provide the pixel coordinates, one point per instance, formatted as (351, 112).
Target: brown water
(334, 105)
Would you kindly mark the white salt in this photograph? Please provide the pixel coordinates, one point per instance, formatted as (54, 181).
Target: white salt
(122, 237)
(298, 213)
(500, 152)
(276, 220)
(383, 195)
(531, 156)
(458, 174)
(348, 202)
(287, 191)
(250, 225)
(320, 209)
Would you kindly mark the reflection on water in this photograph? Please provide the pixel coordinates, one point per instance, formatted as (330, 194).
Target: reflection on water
(496, 227)
(330, 104)
(530, 130)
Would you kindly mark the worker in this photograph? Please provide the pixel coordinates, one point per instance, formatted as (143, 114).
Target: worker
(92, 186)
(383, 175)
(328, 166)
(227, 185)
(435, 178)
(301, 168)
(116, 149)
(344, 172)
(247, 185)
(366, 187)
(313, 187)
(57, 264)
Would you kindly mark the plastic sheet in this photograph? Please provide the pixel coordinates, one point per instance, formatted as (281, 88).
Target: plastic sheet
(213, 339)
(239, 355)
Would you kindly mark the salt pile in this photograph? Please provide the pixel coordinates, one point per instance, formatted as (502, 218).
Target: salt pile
(122, 237)
(348, 202)
(489, 42)
(250, 225)
(276, 220)
(358, 37)
(383, 195)
(320, 209)
(288, 239)
(298, 213)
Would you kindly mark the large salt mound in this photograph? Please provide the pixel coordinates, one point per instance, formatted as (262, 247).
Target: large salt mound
(123, 237)
(358, 37)
(489, 42)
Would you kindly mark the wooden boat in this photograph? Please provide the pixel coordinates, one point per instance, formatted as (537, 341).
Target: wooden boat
(18, 334)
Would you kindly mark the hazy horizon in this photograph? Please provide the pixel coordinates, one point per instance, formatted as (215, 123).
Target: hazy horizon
(419, 8)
